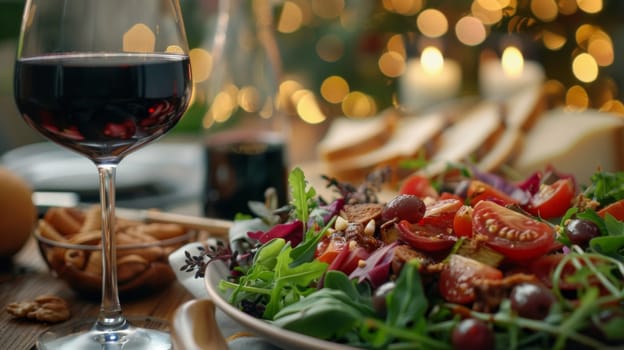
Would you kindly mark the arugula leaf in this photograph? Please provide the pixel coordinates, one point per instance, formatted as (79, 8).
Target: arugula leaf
(305, 250)
(612, 246)
(606, 187)
(287, 281)
(302, 199)
(613, 226)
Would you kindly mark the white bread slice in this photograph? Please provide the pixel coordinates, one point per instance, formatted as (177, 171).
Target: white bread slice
(579, 143)
(348, 137)
(467, 136)
(412, 135)
(507, 147)
(522, 110)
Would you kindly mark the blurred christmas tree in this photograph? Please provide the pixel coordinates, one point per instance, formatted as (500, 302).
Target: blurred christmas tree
(347, 56)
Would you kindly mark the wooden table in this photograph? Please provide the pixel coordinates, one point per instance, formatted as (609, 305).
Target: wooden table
(27, 277)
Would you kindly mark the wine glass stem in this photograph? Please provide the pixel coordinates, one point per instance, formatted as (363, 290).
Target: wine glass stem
(110, 316)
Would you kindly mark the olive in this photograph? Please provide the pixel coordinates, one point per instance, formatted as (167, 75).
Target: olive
(531, 300)
(472, 334)
(580, 231)
(404, 207)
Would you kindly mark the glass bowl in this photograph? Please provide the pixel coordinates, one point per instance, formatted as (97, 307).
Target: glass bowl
(142, 257)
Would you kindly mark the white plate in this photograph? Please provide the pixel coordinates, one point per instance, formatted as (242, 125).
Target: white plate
(156, 176)
(215, 272)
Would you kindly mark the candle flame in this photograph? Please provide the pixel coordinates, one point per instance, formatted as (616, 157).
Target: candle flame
(512, 62)
(432, 60)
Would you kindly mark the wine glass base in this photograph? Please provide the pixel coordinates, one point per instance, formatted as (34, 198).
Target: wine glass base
(139, 334)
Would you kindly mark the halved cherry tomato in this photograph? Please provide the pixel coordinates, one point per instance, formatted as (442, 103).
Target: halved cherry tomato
(328, 249)
(479, 190)
(616, 209)
(418, 185)
(517, 236)
(553, 200)
(441, 213)
(457, 277)
(462, 222)
(427, 238)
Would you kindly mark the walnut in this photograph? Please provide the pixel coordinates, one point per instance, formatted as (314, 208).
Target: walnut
(45, 308)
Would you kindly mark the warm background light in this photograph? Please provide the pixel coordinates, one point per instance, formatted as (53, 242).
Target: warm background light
(590, 6)
(201, 64)
(334, 89)
(291, 18)
(392, 64)
(432, 60)
(470, 31)
(139, 38)
(512, 61)
(432, 23)
(585, 68)
(545, 10)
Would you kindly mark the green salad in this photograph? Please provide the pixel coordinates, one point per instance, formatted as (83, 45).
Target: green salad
(465, 260)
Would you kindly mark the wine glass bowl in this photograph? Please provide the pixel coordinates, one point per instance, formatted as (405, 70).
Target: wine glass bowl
(103, 78)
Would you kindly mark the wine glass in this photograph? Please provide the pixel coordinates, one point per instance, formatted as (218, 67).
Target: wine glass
(103, 78)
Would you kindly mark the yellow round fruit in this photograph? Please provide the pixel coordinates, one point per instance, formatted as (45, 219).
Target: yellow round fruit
(18, 214)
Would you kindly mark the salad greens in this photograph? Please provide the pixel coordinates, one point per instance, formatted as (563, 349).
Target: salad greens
(287, 286)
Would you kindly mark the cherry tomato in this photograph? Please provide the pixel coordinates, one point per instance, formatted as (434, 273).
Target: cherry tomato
(442, 212)
(457, 277)
(553, 200)
(428, 238)
(418, 185)
(616, 209)
(462, 221)
(479, 191)
(327, 251)
(517, 236)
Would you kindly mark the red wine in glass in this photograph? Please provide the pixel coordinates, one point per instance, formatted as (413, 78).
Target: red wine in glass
(102, 105)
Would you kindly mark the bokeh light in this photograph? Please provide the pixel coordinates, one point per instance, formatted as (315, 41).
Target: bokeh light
(291, 18)
(577, 98)
(391, 64)
(590, 6)
(334, 89)
(397, 44)
(554, 38)
(403, 7)
(545, 10)
(585, 68)
(487, 11)
(358, 105)
(470, 31)
(139, 38)
(432, 23)
(308, 108)
(512, 61)
(201, 64)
